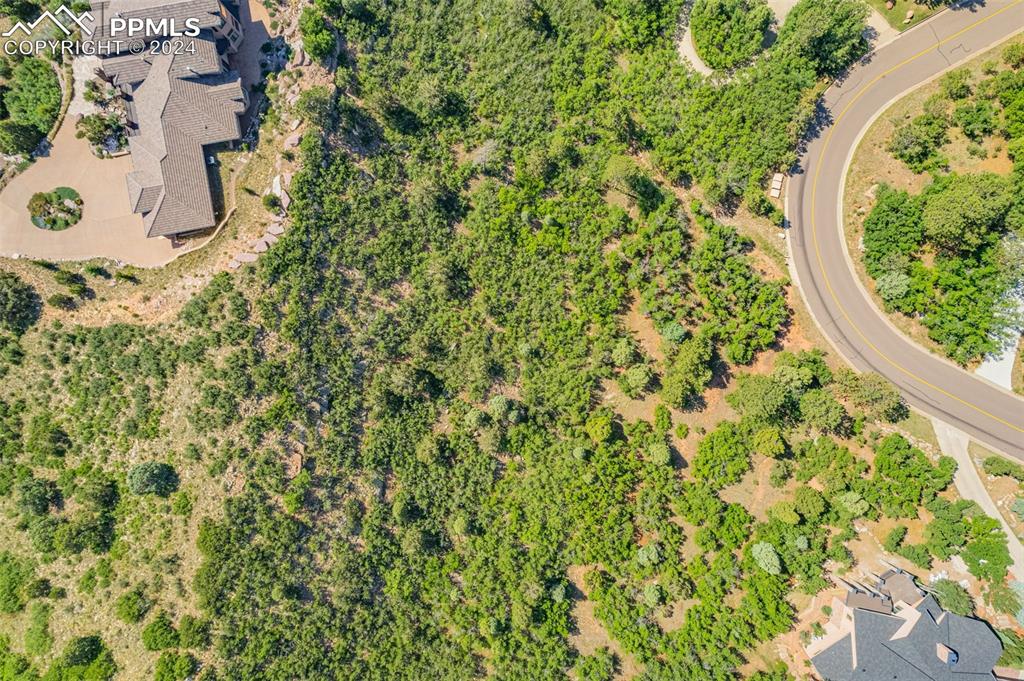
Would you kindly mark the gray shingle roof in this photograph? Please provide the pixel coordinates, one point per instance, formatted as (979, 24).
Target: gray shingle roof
(903, 647)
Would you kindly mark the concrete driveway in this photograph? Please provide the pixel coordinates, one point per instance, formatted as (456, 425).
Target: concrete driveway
(108, 228)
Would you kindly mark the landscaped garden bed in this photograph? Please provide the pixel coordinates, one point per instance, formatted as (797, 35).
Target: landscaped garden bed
(55, 210)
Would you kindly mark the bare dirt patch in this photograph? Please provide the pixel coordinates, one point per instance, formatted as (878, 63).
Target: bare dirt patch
(642, 328)
(590, 635)
(755, 493)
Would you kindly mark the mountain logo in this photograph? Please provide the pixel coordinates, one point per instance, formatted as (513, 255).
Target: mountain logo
(67, 25)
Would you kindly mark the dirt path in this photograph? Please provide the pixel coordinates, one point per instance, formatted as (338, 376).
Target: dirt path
(685, 45)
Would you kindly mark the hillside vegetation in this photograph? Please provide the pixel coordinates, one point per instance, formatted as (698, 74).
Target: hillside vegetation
(951, 255)
(378, 453)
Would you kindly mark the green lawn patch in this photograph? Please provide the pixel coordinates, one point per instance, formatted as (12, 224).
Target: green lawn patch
(898, 13)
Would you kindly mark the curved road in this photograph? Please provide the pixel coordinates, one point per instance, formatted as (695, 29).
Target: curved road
(824, 272)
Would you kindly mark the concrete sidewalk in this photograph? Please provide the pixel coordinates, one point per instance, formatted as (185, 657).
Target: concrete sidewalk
(953, 442)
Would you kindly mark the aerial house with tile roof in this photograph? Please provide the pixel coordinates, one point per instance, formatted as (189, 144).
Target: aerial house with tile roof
(894, 630)
(179, 103)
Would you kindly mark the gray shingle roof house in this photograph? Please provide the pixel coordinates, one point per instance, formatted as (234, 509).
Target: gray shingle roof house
(178, 103)
(894, 630)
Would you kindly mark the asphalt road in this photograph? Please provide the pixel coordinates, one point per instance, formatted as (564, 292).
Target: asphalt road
(821, 264)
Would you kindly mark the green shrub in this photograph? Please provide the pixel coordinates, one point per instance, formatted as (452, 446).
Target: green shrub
(916, 554)
(38, 639)
(602, 665)
(953, 597)
(998, 465)
(152, 477)
(1003, 598)
(159, 634)
(15, 574)
(917, 143)
(1013, 55)
(18, 139)
(956, 84)
(34, 95)
(61, 301)
(317, 34)
(19, 304)
(132, 606)
(271, 202)
(727, 33)
(193, 632)
(45, 438)
(659, 454)
(82, 650)
(84, 659)
(173, 666)
(894, 539)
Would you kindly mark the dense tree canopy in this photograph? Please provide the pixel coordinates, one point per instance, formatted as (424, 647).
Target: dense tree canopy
(942, 255)
(19, 304)
(727, 33)
(392, 442)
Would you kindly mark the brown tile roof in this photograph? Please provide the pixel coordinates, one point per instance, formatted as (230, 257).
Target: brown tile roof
(176, 118)
(859, 599)
(901, 587)
(127, 68)
(207, 12)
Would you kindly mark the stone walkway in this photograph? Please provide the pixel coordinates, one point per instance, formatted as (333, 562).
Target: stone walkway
(274, 230)
(84, 70)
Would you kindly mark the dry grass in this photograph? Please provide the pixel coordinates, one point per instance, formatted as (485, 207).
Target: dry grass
(154, 547)
(918, 428)
(1003, 489)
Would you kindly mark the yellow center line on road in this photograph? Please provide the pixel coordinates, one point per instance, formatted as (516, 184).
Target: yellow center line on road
(814, 228)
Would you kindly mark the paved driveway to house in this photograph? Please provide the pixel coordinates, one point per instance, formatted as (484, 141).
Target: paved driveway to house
(255, 22)
(108, 228)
